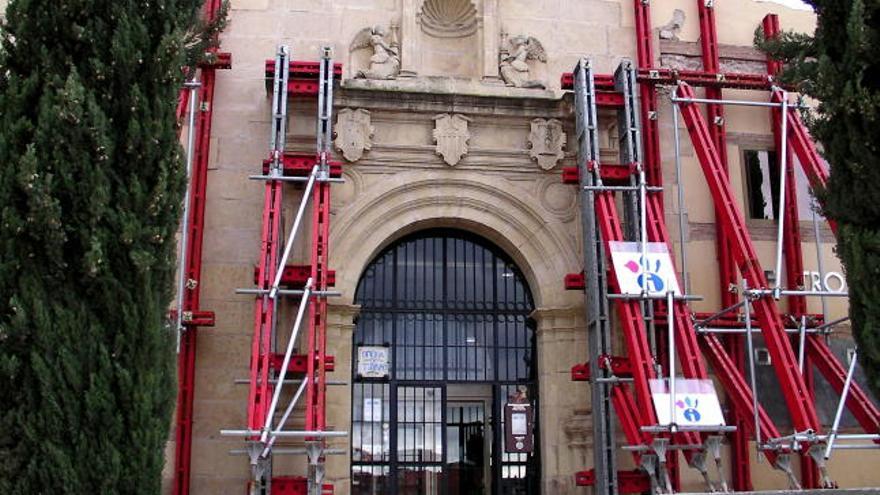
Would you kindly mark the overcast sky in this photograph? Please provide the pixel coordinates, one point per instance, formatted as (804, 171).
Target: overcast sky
(795, 4)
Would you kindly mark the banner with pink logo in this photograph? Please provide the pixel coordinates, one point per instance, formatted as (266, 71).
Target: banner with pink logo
(696, 403)
(654, 272)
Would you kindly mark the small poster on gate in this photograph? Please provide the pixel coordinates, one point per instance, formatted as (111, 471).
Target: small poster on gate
(652, 271)
(373, 361)
(696, 403)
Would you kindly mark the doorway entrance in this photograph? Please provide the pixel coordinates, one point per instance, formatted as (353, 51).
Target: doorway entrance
(443, 341)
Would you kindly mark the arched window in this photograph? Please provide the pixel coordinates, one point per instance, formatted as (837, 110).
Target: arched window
(449, 314)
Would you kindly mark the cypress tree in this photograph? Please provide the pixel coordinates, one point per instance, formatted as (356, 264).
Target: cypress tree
(840, 66)
(91, 184)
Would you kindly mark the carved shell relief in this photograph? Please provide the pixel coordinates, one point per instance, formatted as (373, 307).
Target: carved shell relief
(448, 18)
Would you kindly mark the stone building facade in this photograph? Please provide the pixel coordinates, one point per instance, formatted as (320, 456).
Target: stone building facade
(450, 119)
(450, 116)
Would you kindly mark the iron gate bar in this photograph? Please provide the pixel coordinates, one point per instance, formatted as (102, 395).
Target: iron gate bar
(459, 280)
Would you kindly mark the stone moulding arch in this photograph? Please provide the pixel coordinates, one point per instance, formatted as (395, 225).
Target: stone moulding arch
(493, 208)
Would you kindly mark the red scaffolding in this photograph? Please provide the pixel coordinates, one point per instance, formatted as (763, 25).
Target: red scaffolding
(736, 256)
(199, 98)
(307, 286)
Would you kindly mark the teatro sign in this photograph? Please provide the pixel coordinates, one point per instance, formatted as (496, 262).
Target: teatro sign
(830, 282)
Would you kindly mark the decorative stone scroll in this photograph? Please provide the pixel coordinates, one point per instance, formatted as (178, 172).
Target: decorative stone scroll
(451, 135)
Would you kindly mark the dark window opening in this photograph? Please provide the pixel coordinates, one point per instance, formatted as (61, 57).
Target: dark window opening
(762, 182)
(762, 187)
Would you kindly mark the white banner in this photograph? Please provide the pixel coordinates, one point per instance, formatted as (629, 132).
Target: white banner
(696, 403)
(373, 361)
(656, 273)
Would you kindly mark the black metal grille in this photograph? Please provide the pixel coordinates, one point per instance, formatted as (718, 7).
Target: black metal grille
(453, 308)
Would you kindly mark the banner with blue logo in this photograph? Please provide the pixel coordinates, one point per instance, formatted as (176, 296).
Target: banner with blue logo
(654, 272)
(696, 403)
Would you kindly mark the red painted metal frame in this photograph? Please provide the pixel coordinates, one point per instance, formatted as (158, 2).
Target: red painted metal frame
(260, 390)
(727, 271)
(737, 254)
(794, 389)
(791, 242)
(650, 137)
(194, 316)
(316, 390)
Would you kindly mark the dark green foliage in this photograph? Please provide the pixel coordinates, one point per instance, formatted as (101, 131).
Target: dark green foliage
(91, 183)
(840, 67)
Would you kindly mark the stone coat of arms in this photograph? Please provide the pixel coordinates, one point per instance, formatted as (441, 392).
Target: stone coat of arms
(451, 135)
(354, 133)
(547, 141)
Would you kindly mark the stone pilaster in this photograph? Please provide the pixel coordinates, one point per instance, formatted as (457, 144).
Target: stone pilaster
(340, 330)
(410, 56)
(564, 408)
(490, 33)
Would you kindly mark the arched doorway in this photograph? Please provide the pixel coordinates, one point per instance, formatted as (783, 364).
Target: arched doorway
(450, 311)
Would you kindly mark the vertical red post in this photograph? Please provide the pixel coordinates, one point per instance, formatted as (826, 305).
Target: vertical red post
(186, 360)
(317, 337)
(727, 271)
(651, 141)
(791, 244)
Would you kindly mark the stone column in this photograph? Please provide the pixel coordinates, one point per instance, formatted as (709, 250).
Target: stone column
(340, 330)
(490, 31)
(564, 407)
(410, 56)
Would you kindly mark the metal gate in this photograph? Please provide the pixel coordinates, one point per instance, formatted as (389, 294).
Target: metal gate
(452, 309)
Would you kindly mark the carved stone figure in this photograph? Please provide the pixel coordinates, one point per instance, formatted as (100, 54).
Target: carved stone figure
(671, 29)
(385, 62)
(451, 135)
(514, 67)
(547, 141)
(354, 133)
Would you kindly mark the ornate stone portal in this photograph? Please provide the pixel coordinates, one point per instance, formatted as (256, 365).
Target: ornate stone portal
(547, 141)
(354, 133)
(451, 135)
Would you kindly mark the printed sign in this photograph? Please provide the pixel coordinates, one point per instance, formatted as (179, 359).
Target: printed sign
(831, 282)
(373, 361)
(654, 273)
(696, 403)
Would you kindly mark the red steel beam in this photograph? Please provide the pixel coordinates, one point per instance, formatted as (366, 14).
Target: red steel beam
(316, 389)
(727, 272)
(630, 314)
(697, 78)
(647, 94)
(794, 388)
(794, 266)
(186, 359)
(791, 239)
(863, 409)
(303, 78)
(260, 390)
